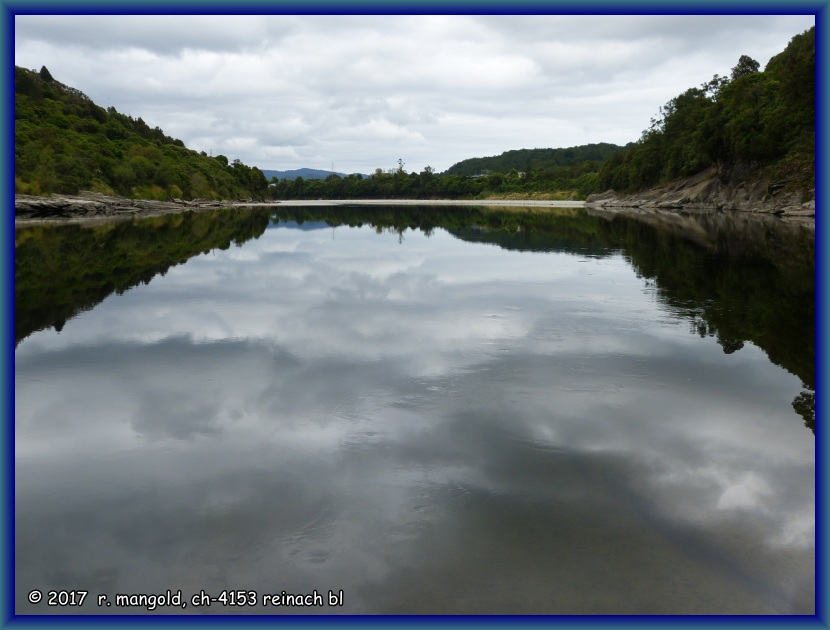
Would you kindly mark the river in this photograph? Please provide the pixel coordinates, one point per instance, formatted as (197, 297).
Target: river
(415, 410)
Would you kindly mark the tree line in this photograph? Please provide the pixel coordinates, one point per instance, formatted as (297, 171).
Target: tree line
(575, 181)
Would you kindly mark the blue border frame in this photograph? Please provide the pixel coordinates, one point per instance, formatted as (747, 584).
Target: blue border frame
(10, 8)
(7, 313)
(822, 174)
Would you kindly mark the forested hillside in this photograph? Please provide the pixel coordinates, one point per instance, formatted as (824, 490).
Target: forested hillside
(65, 143)
(746, 121)
(543, 164)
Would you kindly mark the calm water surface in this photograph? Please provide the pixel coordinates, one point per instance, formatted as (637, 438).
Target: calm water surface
(578, 414)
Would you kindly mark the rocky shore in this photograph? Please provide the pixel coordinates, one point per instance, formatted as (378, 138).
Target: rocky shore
(716, 190)
(89, 205)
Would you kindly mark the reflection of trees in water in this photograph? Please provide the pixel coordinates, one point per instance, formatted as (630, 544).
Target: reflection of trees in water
(733, 278)
(736, 278)
(62, 271)
(741, 279)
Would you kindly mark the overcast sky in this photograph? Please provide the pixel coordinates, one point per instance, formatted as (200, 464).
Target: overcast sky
(361, 92)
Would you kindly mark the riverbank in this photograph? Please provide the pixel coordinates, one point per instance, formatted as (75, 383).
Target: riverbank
(736, 191)
(88, 206)
(690, 195)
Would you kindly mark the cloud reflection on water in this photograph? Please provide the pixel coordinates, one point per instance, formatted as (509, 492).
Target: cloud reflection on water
(433, 426)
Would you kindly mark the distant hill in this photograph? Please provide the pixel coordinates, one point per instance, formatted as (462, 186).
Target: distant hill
(305, 173)
(64, 143)
(534, 159)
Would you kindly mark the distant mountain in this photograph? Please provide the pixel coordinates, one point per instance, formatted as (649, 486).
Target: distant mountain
(305, 173)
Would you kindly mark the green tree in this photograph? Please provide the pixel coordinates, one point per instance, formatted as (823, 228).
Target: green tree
(746, 66)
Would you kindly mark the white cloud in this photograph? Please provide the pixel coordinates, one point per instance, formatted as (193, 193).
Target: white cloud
(361, 91)
(746, 493)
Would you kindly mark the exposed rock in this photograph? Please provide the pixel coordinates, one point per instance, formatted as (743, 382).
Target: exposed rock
(87, 205)
(83, 205)
(596, 198)
(737, 187)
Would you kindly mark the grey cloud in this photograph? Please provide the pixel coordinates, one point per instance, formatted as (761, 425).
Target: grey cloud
(166, 35)
(396, 82)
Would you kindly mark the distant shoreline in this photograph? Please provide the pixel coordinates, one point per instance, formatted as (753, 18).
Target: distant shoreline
(94, 207)
(523, 203)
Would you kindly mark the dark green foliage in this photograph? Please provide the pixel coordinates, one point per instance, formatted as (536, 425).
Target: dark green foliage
(547, 161)
(746, 65)
(65, 143)
(756, 118)
(805, 406)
